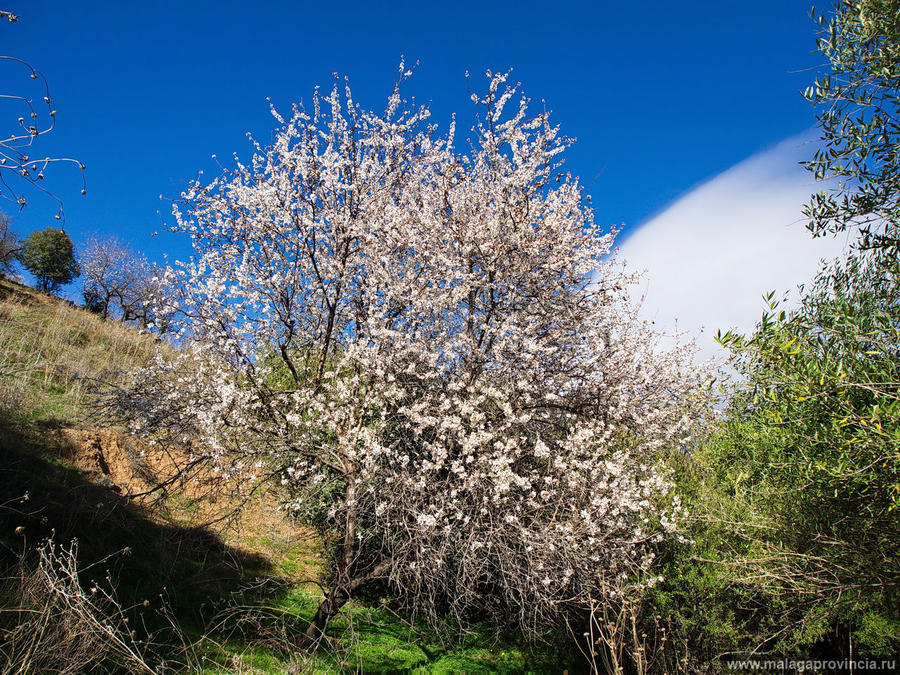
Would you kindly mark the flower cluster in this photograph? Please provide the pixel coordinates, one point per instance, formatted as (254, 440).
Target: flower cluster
(435, 349)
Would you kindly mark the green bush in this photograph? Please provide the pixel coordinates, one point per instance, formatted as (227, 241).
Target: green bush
(50, 256)
(794, 499)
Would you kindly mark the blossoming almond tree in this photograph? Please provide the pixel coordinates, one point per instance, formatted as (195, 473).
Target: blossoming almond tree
(430, 347)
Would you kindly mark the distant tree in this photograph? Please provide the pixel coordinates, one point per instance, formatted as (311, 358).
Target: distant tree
(141, 301)
(859, 118)
(118, 281)
(9, 246)
(50, 256)
(20, 170)
(103, 263)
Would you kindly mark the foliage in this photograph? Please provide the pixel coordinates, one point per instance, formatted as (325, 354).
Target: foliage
(813, 437)
(795, 497)
(819, 429)
(462, 382)
(859, 118)
(829, 372)
(50, 256)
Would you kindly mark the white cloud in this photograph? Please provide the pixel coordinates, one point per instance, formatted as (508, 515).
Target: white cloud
(712, 254)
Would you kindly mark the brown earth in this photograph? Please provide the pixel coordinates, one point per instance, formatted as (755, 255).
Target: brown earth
(248, 519)
(105, 456)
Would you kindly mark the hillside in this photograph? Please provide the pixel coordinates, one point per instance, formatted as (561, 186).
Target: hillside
(210, 592)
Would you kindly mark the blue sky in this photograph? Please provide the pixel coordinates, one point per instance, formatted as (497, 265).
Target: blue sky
(662, 96)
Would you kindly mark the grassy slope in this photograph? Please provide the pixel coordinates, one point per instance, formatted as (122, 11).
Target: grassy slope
(239, 593)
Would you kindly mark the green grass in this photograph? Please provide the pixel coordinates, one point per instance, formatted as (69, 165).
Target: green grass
(372, 639)
(53, 356)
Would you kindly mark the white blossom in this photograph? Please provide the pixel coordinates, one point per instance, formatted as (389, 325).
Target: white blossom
(434, 343)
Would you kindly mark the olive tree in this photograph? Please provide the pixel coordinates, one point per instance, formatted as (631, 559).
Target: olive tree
(807, 468)
(429, 347)
(859, 119)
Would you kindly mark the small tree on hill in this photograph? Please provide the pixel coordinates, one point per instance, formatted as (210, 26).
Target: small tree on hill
(50, 256)
(103, 263)
(9, 246)
(139, 302)
(117, 280)
(428, 348)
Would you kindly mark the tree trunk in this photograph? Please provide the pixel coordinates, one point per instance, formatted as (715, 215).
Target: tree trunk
(335, 599)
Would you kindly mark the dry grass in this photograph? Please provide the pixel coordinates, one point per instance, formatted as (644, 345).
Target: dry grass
(59, 626)
(54, 356)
